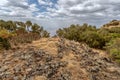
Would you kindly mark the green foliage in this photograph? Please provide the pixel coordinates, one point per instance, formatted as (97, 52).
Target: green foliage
(4, 43)
(45, 34)
(93, 39)
(113, 47)
(109, 34)
(17, 32)
(6, 34)
(96, 38)
(35, 28)
(102, 38)
(85, 33)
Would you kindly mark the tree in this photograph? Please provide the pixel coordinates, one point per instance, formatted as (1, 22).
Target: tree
(60, 32)
(21, 24)
(2, 24)
(35, 28)
(45, 34)
(28, 24)
(10, 25)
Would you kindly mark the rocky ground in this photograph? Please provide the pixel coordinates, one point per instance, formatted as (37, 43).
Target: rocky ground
(56, 59)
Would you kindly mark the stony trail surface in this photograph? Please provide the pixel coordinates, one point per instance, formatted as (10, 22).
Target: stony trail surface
(56, 59)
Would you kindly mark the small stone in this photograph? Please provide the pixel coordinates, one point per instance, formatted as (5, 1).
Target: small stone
(16, 78)
(94, 69)
(40, 78)
(60, 55)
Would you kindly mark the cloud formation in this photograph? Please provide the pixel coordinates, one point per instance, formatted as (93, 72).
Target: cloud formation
(53, 14)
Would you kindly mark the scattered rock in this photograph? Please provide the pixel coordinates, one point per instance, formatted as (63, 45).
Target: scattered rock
(33, 63)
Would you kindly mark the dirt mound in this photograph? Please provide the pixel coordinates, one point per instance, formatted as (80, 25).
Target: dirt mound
(113, 23)
(56, 59)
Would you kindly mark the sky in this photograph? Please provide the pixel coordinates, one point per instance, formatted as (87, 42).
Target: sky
(54, 14)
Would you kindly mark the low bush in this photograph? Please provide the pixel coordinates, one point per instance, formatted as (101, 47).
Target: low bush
(4, 35)
(113, 48)
(4, 43)
(83, 33)
(93, 39)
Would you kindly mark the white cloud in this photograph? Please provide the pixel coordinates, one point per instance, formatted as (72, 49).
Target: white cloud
(42, 2)
(45, 2)
(3, 2)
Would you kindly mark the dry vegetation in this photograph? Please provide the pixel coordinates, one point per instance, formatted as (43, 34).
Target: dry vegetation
(56, 59)
(80, 52)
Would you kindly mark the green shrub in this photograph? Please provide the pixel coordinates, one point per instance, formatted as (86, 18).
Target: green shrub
(84, 33)
(4, 35)
(113, 48)
(4, 43)
(93, 39)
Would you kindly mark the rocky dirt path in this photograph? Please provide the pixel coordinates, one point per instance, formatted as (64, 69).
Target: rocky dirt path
(47, 44)
(56, 59)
